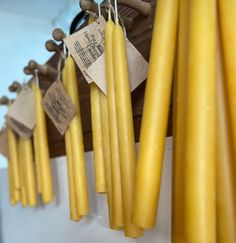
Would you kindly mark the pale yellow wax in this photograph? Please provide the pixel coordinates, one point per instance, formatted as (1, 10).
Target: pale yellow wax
(12, 199)
(113, 130)
(179, 126)
(13, 157)
(77, 146)
(155, 114)
(23, 196)
(107, 157)
(43, 149)
(36, 153)
(125, 129)
(98, 156)
(96, 120)
(72, 199)
(227, 16)
(200, 191)
(29, 173)
(225, 198)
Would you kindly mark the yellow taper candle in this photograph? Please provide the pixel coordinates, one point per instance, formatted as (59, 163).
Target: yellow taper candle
(43, 150)
(98, 156)
(227, 16)
(23, 196)
(125, 129)
(225, 198)
(77, 146)
(98, 153)
(72, 199)
(113, 129)
(13, 157)
(179, 126)
(30, 183)
(155, 114)
(36, 153)
(200, 201)
(107, 156)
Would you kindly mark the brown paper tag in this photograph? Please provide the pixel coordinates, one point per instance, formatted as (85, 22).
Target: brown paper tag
(23, 109)
(87, 47)
(19, 128)
(3, 143)
(58, 106)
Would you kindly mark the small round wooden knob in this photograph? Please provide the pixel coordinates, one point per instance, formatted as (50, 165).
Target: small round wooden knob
(15, 87)
(43, 69)
(88, 5)
(4, 100)
(52, 46)
(27, 71)
(58, 34)
(33, 65)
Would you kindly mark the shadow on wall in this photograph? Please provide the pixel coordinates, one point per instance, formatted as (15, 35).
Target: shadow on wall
(1, 239)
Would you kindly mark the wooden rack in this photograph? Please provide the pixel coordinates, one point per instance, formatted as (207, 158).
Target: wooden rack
(139, 32)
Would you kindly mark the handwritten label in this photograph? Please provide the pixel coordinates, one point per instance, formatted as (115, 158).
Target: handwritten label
(58, 106)
(87, 47)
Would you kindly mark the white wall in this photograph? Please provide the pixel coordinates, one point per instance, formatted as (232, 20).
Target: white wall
(51, 224)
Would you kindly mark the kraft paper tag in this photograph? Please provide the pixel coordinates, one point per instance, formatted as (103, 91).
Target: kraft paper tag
(58, 106)
(23, 109)
(3, 143)
(19, 128)
(87, 47)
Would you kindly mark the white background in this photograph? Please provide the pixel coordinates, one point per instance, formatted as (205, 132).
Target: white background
(51, 224)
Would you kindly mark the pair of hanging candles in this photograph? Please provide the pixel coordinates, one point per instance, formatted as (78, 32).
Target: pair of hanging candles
(227, 16)
(76, 147)
(116, 206)
(28, 172)
(13, 167)
(155, 114)
(98, 148)
(225, 197)
(36, 154)
(42, 157)
(200, 140)
(23, 195)
(74, 215)
(125, 128)
(179, 125)
(102, 152)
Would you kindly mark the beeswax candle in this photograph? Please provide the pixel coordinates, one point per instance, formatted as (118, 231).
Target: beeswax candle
(155, 114)
(227, 16)
(36, 153)
(125, 129)
(29, 173)
(77, 146)
(13, 157)
(23, 196)
(225, 199)
(113, 129)
(179, 126)
(200, 201)
(98, 156)
(98, 149)
(72, 199)
(43, 150)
